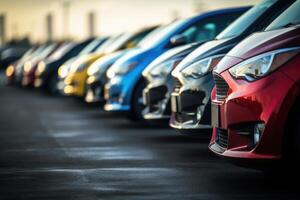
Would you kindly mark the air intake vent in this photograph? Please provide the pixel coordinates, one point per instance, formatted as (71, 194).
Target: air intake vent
(221, 86)
(222, 138)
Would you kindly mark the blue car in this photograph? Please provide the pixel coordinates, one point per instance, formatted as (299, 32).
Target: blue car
(123, 91)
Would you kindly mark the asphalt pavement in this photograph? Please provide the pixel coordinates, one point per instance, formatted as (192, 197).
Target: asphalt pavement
(60, 148)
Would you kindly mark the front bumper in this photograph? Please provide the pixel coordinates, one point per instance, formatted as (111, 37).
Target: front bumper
(156, 99)
(38, 82)
(29, 78)
(115, 94)
(246, 105)
(190, 105)
(94, 90)
(75, 84)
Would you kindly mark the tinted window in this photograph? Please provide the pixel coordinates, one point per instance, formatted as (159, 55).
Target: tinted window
(289, 17)
(242, 23)
(107, 43)
(91, 46)
(208, 29)
(61, 51)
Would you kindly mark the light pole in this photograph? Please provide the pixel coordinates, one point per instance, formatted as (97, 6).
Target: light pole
(66, 14)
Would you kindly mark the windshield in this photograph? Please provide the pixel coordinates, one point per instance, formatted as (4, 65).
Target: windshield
(118, 43)
(47, 51)
(38, 51)
(160, 33)
(61, 51)
(246, 20)
(90, 47)
(107, 43)
(289, 17)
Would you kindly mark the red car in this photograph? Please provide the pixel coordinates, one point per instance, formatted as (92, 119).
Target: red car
(30, 66)
(256, 100)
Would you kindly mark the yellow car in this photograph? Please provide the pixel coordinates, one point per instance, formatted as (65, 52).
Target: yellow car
(75, 81)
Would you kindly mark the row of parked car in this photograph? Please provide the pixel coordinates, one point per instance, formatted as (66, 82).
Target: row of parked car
(233, 73)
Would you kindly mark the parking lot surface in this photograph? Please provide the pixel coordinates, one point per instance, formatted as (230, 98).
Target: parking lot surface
(60, 148)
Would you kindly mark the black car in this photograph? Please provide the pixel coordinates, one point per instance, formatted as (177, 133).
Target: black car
(11, 69)
(46, 73)
(193, 79)
(12, 52)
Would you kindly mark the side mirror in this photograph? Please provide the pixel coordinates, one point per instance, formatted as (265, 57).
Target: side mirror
(178, 40)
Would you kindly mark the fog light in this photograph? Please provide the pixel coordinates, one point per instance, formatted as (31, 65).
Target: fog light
(258, 131)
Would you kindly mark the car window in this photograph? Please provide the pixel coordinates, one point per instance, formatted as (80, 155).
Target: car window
(160, 34)
(107, 43)
(289, 17)
(246, 20)
(118, 43)
(207, 29)
(91, 46)
(61, 51)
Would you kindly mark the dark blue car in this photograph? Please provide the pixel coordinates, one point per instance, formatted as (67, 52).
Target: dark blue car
(123, 92)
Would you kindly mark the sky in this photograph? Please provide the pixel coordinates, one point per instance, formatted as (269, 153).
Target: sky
(27, 17)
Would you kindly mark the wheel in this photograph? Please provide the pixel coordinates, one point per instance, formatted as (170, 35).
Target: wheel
(137, 105)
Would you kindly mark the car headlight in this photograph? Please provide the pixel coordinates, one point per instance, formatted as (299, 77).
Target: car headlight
(261, 65)
(119, 70)
(63, 71)
(10, 70)
(201, 67)
(41, 68)
(161, 70)
(93, 69)
(27, 66)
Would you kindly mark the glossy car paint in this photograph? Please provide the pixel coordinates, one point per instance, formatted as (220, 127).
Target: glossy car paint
(268, 100)
(48, 78)
(74, 83)
(29, 74)
(76, 79)
(157, 93)
(197, 91)
(19, 71)
(119, 91)
(97, 79)
(65, 68)
(11, 69)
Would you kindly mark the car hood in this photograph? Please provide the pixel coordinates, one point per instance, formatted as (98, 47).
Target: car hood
(207, 49)
(106, 61)
(259, 43)
(86, 58)
(173, 53)
(136, 55)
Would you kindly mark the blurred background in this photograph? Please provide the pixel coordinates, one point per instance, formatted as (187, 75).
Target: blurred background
(37, 21)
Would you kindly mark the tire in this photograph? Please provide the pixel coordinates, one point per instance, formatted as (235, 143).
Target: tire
(137, 106)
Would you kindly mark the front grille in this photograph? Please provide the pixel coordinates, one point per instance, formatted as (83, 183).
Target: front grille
(222, 137)
(221, 86)
(179, 117)
(177, 84)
